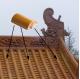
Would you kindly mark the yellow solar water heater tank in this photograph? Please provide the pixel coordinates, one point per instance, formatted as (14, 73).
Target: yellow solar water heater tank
(23, 21)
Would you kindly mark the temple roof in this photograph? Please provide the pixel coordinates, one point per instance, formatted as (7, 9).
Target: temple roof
(42, 64)
(38, 59)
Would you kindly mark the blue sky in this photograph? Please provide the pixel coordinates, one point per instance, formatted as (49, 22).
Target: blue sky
(68, 9)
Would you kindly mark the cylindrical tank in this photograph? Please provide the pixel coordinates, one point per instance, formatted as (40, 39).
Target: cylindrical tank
(23, 21)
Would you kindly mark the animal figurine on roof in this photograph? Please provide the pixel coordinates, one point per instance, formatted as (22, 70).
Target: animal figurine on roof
(54, 25)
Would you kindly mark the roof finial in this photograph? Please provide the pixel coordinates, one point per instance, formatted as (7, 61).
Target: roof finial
(59, 17)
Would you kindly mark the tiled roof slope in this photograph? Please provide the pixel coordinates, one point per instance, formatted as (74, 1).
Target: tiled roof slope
(41, 64)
